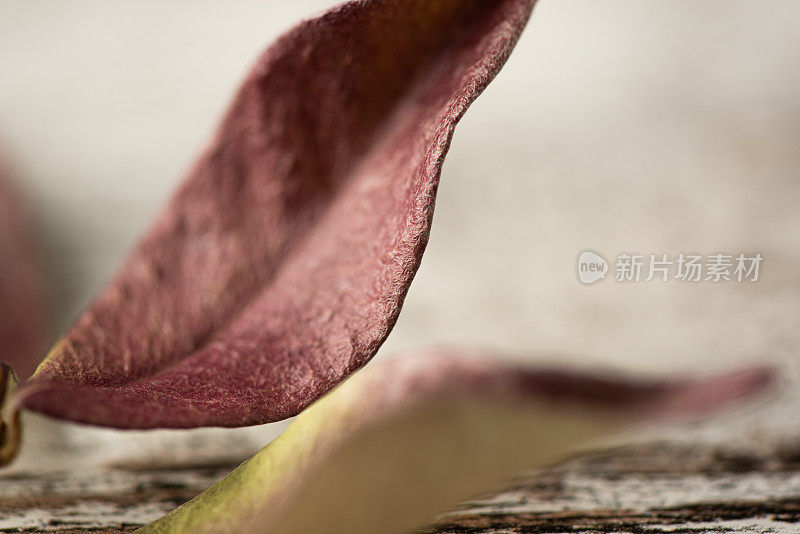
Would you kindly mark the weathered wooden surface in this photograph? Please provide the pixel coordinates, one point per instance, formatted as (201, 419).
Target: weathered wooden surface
(646, 488)
(738, 472)
(656, 487)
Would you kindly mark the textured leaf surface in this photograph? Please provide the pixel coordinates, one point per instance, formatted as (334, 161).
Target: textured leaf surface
(22, 316)
(403, 440)
(281, 264)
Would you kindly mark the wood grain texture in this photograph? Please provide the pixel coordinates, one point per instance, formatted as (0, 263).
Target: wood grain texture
(656, 487)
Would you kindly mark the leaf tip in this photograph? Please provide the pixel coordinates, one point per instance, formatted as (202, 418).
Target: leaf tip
(10, 427)
(704, 396)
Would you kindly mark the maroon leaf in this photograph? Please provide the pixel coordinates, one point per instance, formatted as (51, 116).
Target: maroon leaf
(281, 264)
(22, 317)
(406, 439)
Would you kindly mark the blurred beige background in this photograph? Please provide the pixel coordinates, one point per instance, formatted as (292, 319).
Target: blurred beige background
(655, 127)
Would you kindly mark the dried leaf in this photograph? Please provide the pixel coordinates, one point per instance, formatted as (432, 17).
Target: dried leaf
(10, 428)
(404, 440)
(22, 316)
(281, 264)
